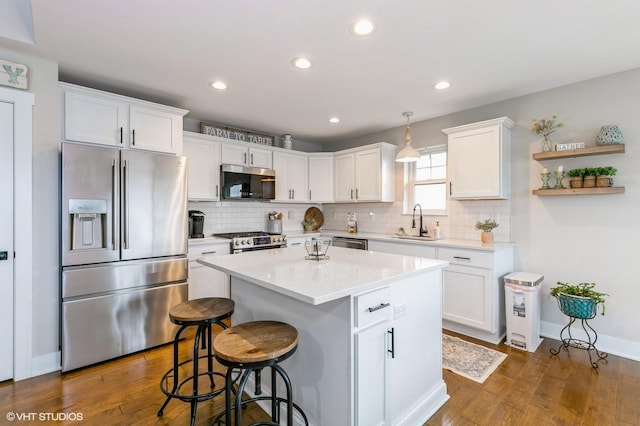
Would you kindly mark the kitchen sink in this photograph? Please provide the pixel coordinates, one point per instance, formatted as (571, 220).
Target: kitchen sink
(414, 237)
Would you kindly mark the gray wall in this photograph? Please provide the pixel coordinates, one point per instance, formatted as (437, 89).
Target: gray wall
(567, 238)
(43, 82)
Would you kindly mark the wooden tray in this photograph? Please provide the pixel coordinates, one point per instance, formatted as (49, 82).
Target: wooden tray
(315, 213)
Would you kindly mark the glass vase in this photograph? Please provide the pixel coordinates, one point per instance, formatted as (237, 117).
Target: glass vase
(546, 144)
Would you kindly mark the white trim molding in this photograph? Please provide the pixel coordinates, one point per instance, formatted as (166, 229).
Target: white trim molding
(23, 219)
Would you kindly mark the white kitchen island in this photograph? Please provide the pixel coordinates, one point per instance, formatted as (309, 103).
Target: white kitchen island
(369, 324)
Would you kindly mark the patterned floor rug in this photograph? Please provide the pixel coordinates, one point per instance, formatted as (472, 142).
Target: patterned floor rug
(469, 360)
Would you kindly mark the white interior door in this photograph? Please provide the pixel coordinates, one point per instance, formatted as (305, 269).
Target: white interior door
(6, 241)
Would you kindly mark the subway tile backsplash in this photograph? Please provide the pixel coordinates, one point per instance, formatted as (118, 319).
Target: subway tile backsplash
(385, 218)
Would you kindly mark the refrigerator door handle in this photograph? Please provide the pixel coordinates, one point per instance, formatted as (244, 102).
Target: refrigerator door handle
(125, 204)
(114, 195)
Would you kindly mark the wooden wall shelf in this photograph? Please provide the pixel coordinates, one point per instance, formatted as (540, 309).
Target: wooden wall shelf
(580, 191)
(582, 152)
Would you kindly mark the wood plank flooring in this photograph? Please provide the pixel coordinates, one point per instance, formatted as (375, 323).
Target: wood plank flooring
(527, 389)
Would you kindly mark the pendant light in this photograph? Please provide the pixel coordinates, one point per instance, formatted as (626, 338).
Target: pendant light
(408, 153)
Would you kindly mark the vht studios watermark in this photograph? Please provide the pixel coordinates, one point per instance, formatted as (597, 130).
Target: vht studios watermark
(44, 417)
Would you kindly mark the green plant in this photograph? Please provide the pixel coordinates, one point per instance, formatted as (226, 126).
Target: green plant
(576, 172)
(487, 225)
(582, 290)
(308, 222)
(591, 171)
(606, 171)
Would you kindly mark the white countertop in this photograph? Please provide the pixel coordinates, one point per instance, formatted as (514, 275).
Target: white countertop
(345, 273)
(448, 242)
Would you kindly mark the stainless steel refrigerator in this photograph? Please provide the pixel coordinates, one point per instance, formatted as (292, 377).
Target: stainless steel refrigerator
(123, 251)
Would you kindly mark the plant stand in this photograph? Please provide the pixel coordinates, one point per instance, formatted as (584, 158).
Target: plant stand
(583, 309)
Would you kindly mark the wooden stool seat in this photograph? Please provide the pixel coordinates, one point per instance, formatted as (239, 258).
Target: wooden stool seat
(250, 347)
(201, 310)
(200, 313)
(255, 342)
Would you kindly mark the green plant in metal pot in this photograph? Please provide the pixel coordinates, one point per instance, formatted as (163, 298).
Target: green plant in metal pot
(584, 290)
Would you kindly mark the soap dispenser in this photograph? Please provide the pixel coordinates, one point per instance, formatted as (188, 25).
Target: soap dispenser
(437, 232)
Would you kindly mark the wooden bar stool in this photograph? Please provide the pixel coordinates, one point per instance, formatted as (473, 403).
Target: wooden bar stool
(251, 347)
(201, 313)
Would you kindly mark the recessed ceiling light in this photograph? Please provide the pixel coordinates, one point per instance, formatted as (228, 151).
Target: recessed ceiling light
(301, 63)
(441, 85)
(363, 27)
(334, 120)
(220, 85)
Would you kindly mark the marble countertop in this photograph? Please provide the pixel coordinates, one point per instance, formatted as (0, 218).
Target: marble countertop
(345, 273)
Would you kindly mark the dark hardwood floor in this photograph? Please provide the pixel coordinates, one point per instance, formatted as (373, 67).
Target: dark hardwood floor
(527, 389)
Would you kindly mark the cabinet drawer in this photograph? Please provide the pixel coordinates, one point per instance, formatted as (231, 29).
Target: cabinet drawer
(198, 250)
(373, 307)
(479, 259)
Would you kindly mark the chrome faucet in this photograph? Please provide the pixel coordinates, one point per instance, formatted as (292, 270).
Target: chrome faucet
(422, 231)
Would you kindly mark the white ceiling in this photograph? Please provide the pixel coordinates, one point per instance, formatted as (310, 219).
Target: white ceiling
(169, 50)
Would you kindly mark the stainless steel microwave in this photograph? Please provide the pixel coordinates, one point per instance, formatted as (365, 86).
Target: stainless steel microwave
(247, 183)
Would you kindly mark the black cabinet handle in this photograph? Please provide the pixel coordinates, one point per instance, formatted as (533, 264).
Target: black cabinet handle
(4, 255)
(121, 137)
(461, 258)
(392, 351)
(133, 138)
(380, 306)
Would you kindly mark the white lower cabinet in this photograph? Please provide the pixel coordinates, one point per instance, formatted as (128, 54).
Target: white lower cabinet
(205, 281)
(297, 241)
(372, 371)
(468, 298)
(403, 248)
(473, 291)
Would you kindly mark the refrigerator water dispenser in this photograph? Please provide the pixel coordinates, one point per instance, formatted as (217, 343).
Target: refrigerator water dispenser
(88, 221)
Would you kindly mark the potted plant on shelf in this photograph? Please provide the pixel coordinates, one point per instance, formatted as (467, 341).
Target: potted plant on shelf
(576, 176)
(309, 224)
(486, 227)
(578, 300)
(604, 176)
(589, 180)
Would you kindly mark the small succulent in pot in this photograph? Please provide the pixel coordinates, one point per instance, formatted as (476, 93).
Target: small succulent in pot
(606, 171)
(576, 173)
(487, 225)
(308, 223)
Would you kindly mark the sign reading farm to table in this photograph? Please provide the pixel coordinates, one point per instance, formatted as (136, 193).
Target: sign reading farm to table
(235, 134)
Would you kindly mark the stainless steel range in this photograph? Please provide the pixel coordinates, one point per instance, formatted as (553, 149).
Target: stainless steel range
(251, 241)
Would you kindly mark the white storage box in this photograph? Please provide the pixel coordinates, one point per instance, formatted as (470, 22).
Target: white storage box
(522, 302)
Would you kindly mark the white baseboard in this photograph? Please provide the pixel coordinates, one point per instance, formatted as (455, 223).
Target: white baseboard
(608, 344)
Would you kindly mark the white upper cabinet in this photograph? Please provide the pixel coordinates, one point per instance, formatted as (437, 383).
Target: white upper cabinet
(478, 159)
(291, 176)
(243, 155)
(203, 166)
(365, 173)
(320, 178)
(98, 117)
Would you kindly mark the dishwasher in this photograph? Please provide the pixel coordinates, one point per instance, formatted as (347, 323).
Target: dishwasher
(348, 242)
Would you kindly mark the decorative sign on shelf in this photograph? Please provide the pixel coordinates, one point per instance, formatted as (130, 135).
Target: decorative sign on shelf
(235, 134)
(13, 75)
(569, 146)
